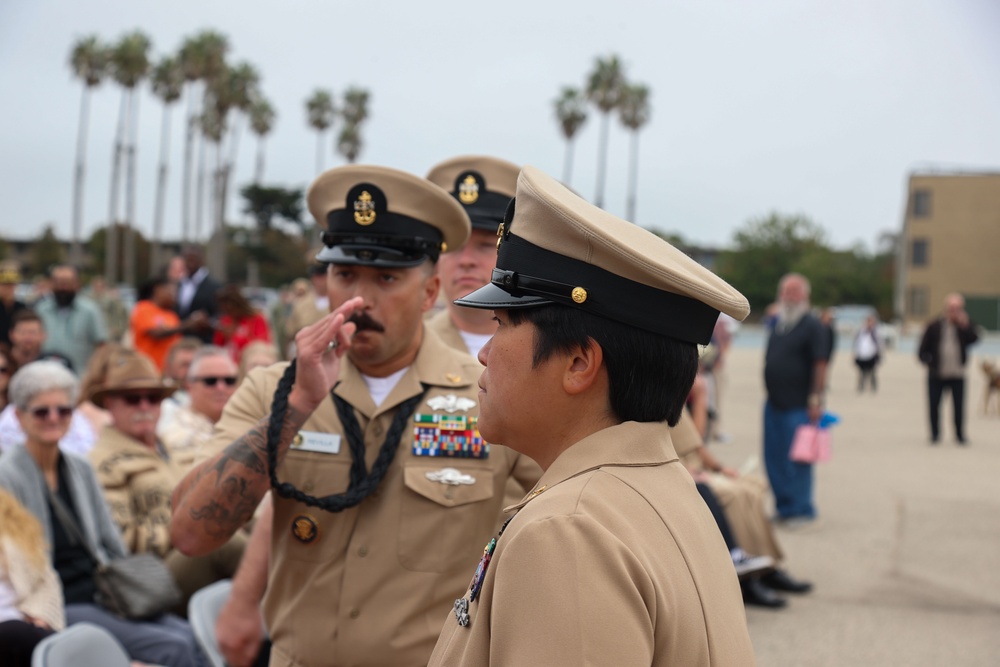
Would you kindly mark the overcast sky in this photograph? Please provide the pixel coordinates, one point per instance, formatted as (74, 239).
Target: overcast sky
(819, 108)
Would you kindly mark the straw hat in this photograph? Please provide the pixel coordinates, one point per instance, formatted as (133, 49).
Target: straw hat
(129, 371)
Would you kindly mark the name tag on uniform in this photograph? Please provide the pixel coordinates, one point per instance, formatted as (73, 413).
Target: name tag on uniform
(313, 441)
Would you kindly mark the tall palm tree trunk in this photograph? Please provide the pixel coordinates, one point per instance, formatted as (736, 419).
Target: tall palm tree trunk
(189, 139)
(230, 167)
(602, 161)
(633, 176)
(130, 190)
(258, 174)
(161, 194)
(111, 245)
(199, 204)
(76, 255)
(568, 163)
(319, 153)
(217, 241)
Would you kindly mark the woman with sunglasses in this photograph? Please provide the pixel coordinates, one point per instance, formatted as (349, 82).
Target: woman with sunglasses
(43, 394)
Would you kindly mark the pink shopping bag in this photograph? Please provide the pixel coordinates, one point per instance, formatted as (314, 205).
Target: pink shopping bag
(811, 444)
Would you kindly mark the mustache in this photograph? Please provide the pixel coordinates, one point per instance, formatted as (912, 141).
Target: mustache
(365, 322)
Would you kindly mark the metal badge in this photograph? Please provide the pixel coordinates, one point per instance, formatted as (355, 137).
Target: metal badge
(364, 209)
(450, 476)
(461, 608)
(579, 295)
(305, 529)
(468, 190)
(451, 403)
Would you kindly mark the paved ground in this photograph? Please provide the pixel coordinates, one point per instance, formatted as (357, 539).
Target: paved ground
(905, 556)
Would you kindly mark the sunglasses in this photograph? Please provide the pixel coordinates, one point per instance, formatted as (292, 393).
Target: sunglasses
(136, 399)
(212, 380)
(43, 411)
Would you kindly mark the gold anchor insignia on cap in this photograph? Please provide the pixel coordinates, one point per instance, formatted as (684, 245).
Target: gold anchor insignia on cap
(468, 191)
(305, 529)
(452, 378)
(579, 295)
(499, 236)
(364, 209)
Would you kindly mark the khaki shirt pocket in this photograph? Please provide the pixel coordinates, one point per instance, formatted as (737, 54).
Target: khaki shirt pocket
(443, 526)
(317, 475)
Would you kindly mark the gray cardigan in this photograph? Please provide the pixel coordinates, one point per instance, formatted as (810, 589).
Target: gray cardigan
(21, 476)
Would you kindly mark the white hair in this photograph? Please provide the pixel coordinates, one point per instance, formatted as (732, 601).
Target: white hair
(39, 377)
(207, 352)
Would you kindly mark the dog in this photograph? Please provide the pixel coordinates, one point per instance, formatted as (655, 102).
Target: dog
(992, 392)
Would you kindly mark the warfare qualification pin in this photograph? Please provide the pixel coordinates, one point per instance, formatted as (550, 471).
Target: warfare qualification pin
(305, 529)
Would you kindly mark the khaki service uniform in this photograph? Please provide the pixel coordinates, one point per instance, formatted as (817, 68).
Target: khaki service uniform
(441, 324)
(744, 500)
(613, 559)
(304, 312)
(369, 585)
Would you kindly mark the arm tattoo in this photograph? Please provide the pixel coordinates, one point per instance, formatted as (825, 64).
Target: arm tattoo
(241, 478)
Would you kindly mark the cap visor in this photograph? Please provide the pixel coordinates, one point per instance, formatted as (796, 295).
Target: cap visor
(368, 255)
(492, 297)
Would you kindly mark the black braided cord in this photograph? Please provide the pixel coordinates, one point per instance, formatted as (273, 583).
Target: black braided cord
(362, 484)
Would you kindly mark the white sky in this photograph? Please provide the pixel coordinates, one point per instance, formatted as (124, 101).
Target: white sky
(820, 108)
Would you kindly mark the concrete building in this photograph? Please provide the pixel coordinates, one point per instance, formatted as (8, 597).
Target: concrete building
(950, 242)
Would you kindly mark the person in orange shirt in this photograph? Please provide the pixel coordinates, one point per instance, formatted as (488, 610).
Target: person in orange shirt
(155, 325)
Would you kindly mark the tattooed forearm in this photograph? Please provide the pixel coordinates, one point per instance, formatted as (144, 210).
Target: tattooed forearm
(220, 496)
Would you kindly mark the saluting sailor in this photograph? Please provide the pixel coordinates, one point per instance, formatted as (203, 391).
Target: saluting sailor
(385, 490)
(613, 558)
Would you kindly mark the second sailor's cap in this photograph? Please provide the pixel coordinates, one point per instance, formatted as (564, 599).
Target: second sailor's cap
(556, 248)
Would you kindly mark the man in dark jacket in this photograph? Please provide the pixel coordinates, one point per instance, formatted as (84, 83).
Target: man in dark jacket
(196, 295)
(943, 349)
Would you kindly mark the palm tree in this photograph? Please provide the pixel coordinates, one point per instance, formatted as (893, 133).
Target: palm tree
(604, 86)
(354, 113)
(129, 65)
(168, 83)
(241, 88)
(89, 61)
(633, 110)
(261, 122)
(320, 114)
(202, 57)
(571, 112)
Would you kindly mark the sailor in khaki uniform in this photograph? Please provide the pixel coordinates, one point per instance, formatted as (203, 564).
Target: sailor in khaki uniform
(483, 186)
(613, 558)
(384, 488)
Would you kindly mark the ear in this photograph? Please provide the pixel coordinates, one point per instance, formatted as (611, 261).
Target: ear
(432, 285)
(584, 368)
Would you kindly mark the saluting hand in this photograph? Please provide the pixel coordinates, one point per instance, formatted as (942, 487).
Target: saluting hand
(318, 364)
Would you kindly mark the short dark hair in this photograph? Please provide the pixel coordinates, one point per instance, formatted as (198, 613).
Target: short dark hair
(148, 288)
(25, 315)
(649, 375)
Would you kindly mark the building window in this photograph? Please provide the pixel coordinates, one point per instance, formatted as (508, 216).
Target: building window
(921, 203)
(920, 252)
(918, 301)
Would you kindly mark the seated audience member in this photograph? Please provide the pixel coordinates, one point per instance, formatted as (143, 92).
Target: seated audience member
(43, 394)
(257, 355)
(31, 604)
(27, 336)
(743, 500)
(138, 474)
(211, 380)
(5, 372)
(240, 323)
(93, 378)
(175, 372)
(79, 438)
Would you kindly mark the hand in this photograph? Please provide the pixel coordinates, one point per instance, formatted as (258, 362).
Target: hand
(317, 366)
(197, 320)
(732, 473)
(240, 632)
(815, 412)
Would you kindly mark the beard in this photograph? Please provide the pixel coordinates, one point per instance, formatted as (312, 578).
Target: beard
(789, 314)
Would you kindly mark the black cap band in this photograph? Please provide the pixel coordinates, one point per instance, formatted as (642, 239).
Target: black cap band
(526, 270)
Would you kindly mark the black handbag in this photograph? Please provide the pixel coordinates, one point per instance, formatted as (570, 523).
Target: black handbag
(136, 587)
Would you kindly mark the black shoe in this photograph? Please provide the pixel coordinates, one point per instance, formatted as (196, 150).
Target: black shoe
(780, 581)
(757, 594)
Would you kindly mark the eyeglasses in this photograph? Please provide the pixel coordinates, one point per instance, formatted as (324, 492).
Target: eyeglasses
(212, 380)
(43, 411)
(136, 399)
